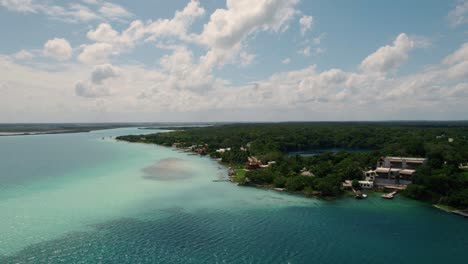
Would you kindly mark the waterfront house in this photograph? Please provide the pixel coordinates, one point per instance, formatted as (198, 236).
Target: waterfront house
(392, 171)
(348, 184)
(202, 151)
(366, 184)
(267, 165)
(397, 170)
(387, 173)
(222, 150)
(370, 175)
(400, 162)
(253, 163)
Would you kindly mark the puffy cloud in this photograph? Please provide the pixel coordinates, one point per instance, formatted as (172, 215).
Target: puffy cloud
(23, 55)
(186, 84)
(58, 48)
(286, 61)
(306, 23)
(72, 12)
(111, 10)
(223, 34)
(103, 33)
(111, 42)
(179, 72)
(390, 57)
(459, 15)
(103, 72)
(228, 28)
(182, 89)
(178, 25)
(97, 85)
(86, 89)
(96, 53)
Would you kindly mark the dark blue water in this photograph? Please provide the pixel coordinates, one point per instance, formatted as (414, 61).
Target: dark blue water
(332, 233)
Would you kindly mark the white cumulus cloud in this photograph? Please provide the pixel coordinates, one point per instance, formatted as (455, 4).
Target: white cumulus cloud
(23, 55)
(228, 28)
(96, 53)
(58, 48)
(103, 72)
(389, 57)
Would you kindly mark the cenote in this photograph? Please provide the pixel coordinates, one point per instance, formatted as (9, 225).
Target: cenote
(86, 198)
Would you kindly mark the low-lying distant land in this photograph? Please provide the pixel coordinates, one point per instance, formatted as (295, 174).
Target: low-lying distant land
(38, 129)
(61, 128)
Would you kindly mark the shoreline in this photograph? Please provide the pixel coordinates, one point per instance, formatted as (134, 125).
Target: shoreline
(257, 186)
(45, 133)
(346, 194)
(55, 131)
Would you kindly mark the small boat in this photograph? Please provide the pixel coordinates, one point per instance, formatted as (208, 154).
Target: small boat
(359, 195)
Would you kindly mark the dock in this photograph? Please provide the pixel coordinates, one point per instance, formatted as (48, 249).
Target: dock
(395, 187)
(389, 195)
(463, 213)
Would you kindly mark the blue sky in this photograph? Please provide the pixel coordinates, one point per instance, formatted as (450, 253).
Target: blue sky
(232, 60)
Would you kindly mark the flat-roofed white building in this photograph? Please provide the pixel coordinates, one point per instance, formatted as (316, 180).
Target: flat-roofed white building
(399, 170)
(366, 184)
(400, 162)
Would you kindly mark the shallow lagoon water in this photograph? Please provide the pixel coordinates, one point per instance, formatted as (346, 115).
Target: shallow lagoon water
(79, 198)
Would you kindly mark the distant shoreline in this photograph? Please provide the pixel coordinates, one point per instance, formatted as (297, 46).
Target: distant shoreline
(11, 134)
(45, 129)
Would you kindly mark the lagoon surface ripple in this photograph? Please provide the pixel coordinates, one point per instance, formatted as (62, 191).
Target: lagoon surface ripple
(78, 198)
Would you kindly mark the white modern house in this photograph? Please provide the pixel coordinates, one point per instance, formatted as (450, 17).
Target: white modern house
(397, 170)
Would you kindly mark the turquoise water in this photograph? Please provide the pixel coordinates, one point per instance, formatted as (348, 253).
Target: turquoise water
(78, 198)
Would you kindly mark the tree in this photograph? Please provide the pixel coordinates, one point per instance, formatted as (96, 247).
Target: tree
(296, 183)
(329, 186)
(416, 191)
(356, 185)
(280, 182)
